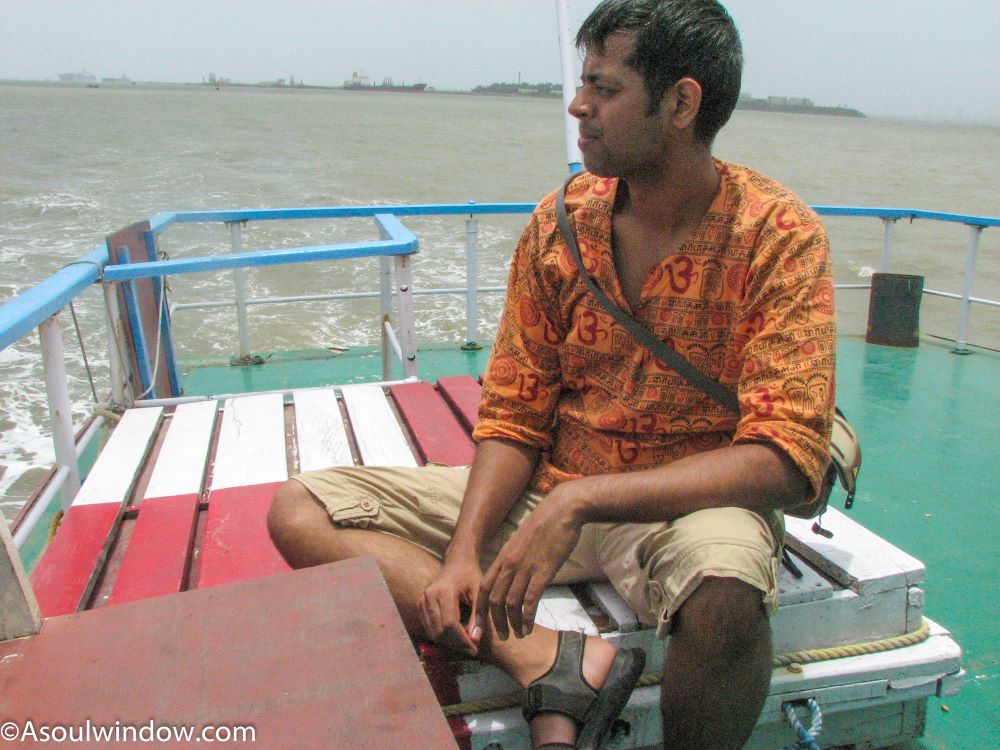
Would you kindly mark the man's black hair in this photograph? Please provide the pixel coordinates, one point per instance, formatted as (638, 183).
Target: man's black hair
(676, 39)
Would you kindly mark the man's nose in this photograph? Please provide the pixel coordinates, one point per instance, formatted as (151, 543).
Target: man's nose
(578, 108)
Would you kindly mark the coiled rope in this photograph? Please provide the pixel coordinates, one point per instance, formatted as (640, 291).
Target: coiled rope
(790, 660)
(807, 737)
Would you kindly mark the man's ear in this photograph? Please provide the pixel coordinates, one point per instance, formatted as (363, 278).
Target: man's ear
(684, 102)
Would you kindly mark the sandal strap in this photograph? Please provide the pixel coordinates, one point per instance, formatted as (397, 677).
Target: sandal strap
(562, 689)
(539, 699)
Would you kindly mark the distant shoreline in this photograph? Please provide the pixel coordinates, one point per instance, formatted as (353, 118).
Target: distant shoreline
(771, 104)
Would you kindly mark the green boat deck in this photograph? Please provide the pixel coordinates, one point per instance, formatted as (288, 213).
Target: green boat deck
(929, 422)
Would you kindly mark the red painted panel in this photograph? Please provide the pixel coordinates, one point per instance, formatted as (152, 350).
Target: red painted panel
(236, 544)
(461, 732)
(439, 435)
(313, 660)
(443, 669)
(462, 393)
(443, 674)
(64, 573)
(157, 554)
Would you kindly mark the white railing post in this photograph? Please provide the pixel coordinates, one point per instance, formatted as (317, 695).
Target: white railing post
(970, 277)
(385, 305)
(471, 284)
(407, 321)
(240, 283)
(887, 225)
(60, 410)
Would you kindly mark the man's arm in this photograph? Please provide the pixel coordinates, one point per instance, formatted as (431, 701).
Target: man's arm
(500, 472)
(509, 435)
(756, 476)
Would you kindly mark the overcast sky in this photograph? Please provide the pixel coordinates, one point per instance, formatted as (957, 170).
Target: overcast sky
(894, 58)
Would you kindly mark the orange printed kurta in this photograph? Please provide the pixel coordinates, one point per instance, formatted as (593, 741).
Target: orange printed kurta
(747, 299)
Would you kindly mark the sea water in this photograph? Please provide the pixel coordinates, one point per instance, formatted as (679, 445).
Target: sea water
(79, 163)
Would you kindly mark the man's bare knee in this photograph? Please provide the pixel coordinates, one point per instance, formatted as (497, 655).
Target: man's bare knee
(294, 512)
(724, 613)
(718, 664)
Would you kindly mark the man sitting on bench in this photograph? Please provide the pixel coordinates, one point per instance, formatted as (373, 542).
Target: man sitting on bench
(595, 459)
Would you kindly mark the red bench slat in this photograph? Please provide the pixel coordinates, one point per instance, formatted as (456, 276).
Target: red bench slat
(236, 543)
(462, 394)
(440, 436)
(64, 574)
(155, 561)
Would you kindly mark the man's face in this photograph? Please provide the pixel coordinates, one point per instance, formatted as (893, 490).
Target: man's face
(617, 136)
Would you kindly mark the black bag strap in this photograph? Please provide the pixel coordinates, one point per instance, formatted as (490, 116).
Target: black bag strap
(663, 351)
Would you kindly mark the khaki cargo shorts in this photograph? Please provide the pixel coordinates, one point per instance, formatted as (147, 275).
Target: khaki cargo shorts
(653, 566)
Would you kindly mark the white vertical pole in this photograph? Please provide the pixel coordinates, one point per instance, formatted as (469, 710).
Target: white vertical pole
(970, 277)
(887, 225)
(60, 411)
(567, 50)
(240, 281)
(407, 324)
(471, 283)
(385, 305)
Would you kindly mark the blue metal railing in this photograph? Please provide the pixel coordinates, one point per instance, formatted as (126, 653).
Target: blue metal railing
(894, 214)
(20, 316)
(37, 307)
(161, 221)
(401, 242)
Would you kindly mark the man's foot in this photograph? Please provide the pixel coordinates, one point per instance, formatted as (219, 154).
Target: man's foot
(576, 701)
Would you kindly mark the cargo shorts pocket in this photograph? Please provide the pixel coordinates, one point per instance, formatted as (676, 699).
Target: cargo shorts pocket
(432, 506)
(356, 511)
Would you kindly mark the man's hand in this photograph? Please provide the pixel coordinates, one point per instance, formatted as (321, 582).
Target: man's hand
(442, 602)
(513, 585)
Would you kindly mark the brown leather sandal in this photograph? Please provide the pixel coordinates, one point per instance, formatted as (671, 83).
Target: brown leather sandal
(563, 690)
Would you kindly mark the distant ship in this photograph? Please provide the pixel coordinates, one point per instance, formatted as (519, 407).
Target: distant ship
(363, 83)
(81, 77)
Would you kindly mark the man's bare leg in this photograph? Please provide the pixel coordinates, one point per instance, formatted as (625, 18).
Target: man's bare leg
(718, 667)
(302, 531)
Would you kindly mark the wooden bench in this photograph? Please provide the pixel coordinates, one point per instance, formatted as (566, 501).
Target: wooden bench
(178, 499)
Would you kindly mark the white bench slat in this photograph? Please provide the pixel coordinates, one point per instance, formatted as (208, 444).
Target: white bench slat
(855, 557)
(180, 465)
(559, 609)
(251, 442)
(118, 464)
(319, 427)
(378, 434)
